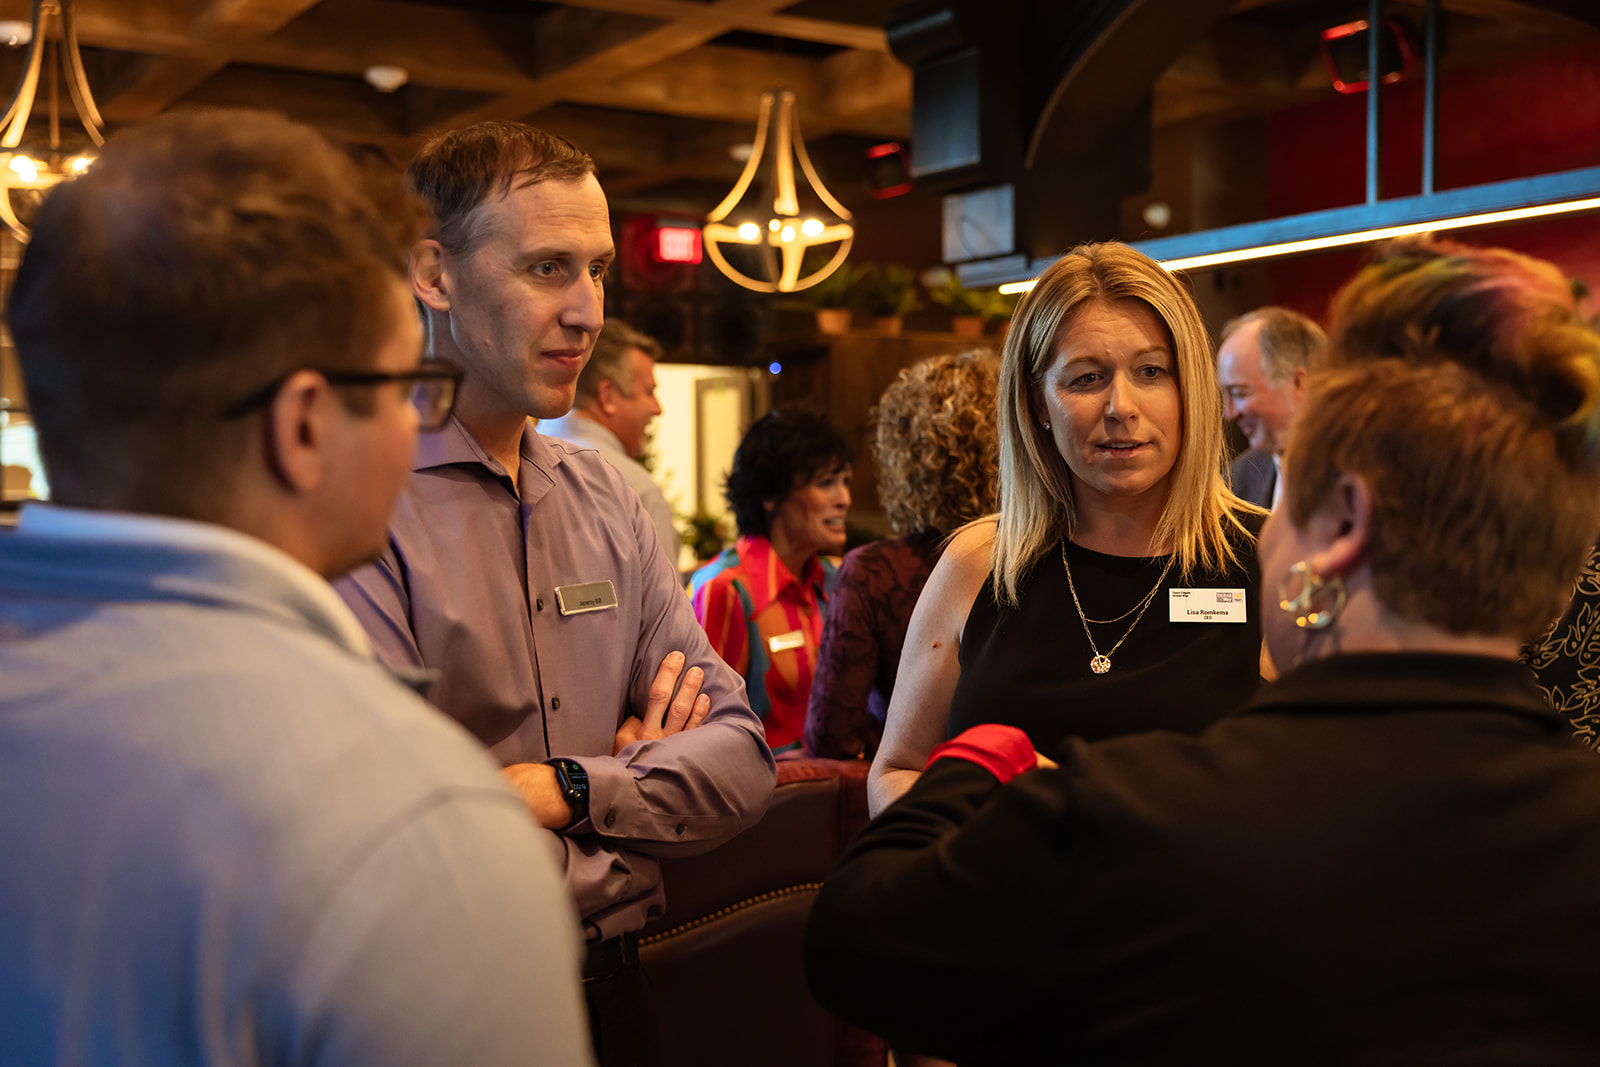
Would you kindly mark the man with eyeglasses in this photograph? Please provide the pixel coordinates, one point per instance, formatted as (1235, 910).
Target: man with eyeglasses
(526, 573)
(227, 835)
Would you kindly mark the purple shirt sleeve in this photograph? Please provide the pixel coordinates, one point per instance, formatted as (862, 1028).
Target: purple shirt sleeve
(862, 638)
(469, 586)
(838, 722)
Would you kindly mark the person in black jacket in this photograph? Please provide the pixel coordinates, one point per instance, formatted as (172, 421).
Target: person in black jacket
(1392, 854)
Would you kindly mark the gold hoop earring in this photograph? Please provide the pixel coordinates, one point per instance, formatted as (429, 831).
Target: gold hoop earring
(1312, 587)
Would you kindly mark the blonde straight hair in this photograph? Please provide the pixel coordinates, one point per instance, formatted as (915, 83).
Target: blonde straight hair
(1201, 517)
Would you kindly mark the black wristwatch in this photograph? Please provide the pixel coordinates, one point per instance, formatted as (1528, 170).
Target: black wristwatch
(574, 783)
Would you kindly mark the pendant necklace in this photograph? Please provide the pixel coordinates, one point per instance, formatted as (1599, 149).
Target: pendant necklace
(1101, 663)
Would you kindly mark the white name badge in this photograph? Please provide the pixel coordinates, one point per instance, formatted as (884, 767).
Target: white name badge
(1206, 605)
(784, 642)
(590, 596)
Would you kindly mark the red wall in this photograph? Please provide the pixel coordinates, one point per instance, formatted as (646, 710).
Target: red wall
(1516, 116)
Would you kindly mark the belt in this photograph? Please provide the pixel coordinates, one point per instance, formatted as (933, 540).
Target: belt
(609, 958)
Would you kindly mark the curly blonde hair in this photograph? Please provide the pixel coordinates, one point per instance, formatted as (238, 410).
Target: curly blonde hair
(937, 443)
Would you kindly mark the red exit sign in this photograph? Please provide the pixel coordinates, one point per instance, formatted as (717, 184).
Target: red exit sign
(676, 244)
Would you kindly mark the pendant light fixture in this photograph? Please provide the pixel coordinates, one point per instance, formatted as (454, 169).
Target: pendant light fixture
(34, 171)
(774, 226)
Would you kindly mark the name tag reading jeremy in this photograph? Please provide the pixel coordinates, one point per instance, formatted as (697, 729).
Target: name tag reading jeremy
(590, 596)
(1206, 605)
(784, 642)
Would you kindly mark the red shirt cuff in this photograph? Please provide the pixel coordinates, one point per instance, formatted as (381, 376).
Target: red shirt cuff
(1003, 751)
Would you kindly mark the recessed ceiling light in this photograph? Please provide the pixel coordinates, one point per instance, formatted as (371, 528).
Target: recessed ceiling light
(386, 77)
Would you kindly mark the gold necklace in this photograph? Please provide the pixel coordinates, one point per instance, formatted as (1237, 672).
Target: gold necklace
(1101, 663)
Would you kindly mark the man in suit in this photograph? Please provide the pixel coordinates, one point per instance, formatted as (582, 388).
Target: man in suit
(230, 836)
(1262, 366)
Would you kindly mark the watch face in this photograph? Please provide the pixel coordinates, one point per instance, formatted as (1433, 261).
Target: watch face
(574, 777)
(574, 783)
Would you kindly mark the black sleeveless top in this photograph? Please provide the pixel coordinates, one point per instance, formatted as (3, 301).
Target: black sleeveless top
(1029, 666)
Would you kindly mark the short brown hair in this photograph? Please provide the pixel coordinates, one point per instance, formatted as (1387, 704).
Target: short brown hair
(205, 254)
(457, 171)
(1288, 341)
(607, 363)
(1466, 393)
(936, 446)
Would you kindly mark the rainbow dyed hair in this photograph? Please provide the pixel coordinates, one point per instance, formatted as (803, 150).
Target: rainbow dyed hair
(1464, 389)
(1505, 315)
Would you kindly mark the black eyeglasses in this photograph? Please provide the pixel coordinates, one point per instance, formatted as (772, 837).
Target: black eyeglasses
(434, 384)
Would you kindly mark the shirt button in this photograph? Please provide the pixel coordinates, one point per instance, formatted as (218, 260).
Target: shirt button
(555, 703)
(681, 829)
(538, 605)
(611, 818)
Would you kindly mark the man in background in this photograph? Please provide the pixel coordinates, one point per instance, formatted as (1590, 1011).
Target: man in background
(616, 402)
(1262, 364)
(228, 835)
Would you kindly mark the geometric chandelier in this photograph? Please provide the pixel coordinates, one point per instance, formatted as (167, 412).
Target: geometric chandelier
(27, 175)
(774, 229)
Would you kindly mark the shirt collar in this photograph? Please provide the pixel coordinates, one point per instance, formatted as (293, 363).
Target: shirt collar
(1407, 681)
(579, 428)
(757, 557)
(299, 586)
(454, 444)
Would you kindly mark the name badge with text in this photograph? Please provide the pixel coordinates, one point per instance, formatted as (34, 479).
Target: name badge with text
(590, 596)
(1206, 605)
(784, 642)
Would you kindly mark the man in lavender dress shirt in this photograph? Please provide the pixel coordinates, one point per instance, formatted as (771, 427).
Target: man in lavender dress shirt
(526, 573)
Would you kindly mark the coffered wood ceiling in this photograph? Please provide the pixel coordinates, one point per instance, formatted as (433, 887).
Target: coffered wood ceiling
(656, 90)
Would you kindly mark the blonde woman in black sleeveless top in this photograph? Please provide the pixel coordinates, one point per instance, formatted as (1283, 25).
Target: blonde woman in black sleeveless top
(1057, 614)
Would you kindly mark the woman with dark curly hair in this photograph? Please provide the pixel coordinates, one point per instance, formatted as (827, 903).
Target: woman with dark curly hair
(761, 601)
(936, 452)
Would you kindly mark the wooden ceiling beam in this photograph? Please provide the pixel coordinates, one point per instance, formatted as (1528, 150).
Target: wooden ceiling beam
(726, 84)
(216, 26)
(844, 34)
(868, 92)
(611, 64)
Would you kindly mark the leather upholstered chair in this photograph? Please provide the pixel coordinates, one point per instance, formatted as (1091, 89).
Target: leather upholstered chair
(725, 962)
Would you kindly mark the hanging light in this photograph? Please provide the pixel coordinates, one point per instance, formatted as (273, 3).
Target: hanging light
(36, 171)
(780, 234)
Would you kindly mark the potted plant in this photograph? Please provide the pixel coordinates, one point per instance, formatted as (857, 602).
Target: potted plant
(703, 534)
(888, 293)
(832, 298)
(969, 308)
(1000, 309)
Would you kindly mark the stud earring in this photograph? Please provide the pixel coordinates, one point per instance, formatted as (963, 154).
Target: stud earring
(1312, 587)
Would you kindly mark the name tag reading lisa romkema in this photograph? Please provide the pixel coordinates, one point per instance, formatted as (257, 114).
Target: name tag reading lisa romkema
(1206, 605)
(590, 596)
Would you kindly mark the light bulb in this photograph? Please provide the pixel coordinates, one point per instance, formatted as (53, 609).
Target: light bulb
(811, 227)
(25, 168)
(787, 234)
(80, 164)
(749, 231)
(773, 225)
